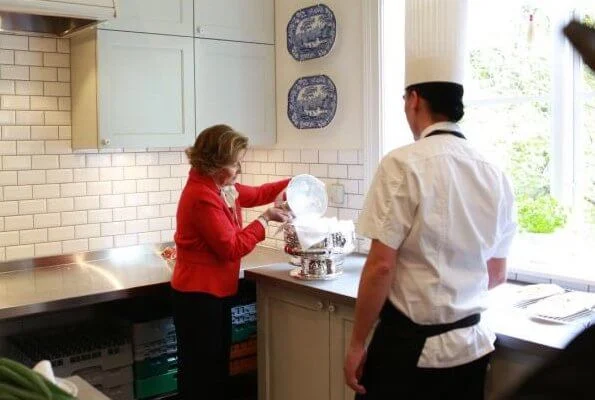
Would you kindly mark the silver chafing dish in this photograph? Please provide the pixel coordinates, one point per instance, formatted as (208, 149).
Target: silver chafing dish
(317, 245)
(322, 260)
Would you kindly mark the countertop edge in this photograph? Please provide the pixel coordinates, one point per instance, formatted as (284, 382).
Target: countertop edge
(506, 340)
(80, 301)
(253, 275)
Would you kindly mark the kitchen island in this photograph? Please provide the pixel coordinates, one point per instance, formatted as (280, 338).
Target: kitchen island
(304, 329)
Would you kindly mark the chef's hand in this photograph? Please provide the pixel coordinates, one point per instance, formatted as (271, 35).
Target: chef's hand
(354, 363)
(276, 214)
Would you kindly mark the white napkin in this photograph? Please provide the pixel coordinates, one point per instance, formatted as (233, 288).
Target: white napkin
(44, 368)
(311, 230)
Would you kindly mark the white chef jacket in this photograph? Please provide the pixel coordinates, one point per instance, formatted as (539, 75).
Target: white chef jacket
(447, 211)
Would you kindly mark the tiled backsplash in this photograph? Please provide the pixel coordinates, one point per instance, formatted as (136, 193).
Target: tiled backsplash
(54, 200)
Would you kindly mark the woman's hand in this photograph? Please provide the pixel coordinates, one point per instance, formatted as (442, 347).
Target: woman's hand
(280, 199)
(276, 214)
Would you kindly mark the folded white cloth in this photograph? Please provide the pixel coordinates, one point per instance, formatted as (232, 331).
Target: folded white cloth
(44, 368)
(312, 230)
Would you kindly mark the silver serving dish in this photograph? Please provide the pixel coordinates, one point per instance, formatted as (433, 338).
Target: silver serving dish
(322, 261)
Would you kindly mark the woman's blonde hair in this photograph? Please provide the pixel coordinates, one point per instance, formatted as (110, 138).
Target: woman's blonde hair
(216, 147)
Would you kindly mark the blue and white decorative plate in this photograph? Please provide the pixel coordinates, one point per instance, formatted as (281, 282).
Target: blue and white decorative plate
(312, 102)
(311, 32)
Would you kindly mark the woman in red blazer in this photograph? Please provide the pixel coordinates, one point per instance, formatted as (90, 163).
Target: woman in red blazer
(210, 241)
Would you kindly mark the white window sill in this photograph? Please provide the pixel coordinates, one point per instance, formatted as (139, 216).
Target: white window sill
(528, 275)
(564, 257)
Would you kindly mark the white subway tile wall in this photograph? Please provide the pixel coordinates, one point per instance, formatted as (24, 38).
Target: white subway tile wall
(54, 200)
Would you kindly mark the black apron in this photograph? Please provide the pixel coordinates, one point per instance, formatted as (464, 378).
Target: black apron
(391, 368)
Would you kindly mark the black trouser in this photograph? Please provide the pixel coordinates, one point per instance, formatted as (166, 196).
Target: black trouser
(391, 371)
(203, 330)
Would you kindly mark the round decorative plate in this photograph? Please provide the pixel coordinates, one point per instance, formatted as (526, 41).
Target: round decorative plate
(311, 32)
(312, 102)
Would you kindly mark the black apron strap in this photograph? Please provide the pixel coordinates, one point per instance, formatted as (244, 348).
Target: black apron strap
(446, 132)
(393, 317)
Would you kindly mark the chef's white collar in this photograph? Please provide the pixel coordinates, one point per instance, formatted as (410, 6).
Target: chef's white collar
(440, 126)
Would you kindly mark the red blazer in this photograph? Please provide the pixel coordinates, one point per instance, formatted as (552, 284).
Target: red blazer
(210, 242)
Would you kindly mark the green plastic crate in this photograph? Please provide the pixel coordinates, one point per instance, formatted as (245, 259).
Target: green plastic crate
(156, 385)
(242, 332)
(154, 366)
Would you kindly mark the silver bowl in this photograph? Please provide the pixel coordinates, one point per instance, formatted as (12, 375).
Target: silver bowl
(322, 261)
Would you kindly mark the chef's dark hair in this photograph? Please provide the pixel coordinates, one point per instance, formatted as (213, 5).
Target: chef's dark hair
(444, 98)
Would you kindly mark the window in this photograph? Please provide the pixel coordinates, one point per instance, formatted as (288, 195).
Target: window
(530, 107)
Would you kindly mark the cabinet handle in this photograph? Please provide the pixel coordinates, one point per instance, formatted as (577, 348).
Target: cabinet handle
(106, 142)
(319, 306)
(198, 30)
(331, 308)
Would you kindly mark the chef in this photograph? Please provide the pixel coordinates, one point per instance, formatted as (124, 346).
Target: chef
(440, 219)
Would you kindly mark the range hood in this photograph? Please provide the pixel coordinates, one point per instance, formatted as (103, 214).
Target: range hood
(55, 18)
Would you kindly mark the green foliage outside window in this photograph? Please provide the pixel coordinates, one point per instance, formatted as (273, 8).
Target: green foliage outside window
(540, 215)
(509, 67)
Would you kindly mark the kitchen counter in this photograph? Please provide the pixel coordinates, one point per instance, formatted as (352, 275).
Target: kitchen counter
(62, 282)
(56, 283)
(514, 329)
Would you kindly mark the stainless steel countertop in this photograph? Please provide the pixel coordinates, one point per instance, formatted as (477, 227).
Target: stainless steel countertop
(56, 283)
(513, 328)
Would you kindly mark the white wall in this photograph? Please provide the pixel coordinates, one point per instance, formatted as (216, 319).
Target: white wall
(343, 65)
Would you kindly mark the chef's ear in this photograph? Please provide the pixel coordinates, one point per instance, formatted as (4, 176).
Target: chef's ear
(414, 98)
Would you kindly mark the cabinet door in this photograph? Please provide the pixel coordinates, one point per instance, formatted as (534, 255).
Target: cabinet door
(239, 20)
(235, 85)
(341, 320)
(145, 85)
(169, 17)
(293, 346)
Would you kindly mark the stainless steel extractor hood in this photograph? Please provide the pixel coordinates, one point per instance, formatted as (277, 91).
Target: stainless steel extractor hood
(57, 18)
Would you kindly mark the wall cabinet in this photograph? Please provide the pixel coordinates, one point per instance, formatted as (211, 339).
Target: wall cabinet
(302, 341)
(235, 85)
(236, 20)
(133, 80)
(168, 17)
(132, 90)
